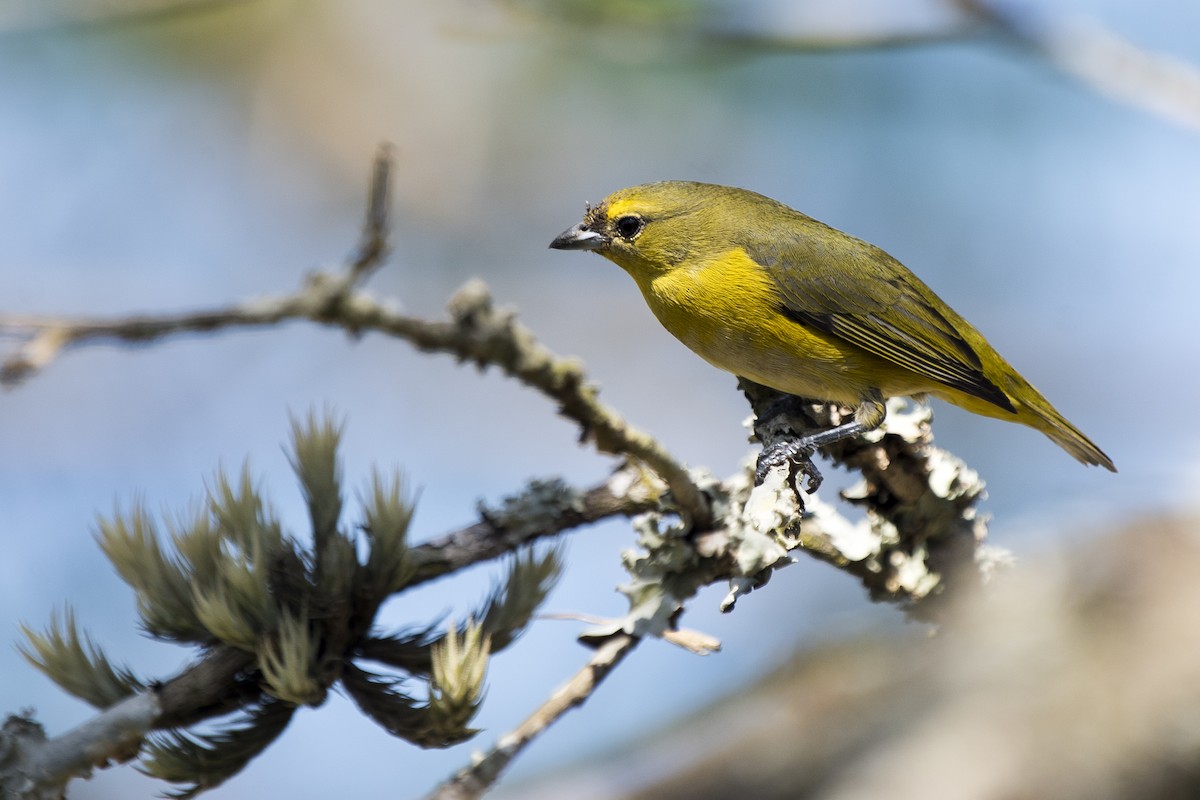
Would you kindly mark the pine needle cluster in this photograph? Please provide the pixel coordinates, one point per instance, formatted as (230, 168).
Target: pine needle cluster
(227, 574)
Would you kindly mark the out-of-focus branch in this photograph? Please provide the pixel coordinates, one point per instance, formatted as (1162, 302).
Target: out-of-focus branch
(1077, 676)
(1076, 45)
(475, 780)
(1100, 58)
(1079, 46)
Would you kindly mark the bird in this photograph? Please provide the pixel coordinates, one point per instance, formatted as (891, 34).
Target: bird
(774, 296)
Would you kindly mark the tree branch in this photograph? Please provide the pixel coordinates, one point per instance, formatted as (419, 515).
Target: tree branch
(38, 768)
(922, 540)
(542, 510)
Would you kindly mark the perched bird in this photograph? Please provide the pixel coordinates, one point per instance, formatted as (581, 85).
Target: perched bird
(760, 290)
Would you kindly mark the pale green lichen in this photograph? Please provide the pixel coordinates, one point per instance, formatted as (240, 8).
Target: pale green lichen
(535, 510)
(763, 527)
(855, 541)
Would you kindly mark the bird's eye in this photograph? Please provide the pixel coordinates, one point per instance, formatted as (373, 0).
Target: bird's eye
(629, 226)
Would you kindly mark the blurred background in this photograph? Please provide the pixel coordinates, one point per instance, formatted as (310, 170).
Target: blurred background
(159, 156)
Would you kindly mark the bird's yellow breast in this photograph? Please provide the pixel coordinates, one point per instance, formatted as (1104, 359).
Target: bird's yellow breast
(728, 310)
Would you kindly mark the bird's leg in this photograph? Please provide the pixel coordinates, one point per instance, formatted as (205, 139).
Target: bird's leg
(797, 452)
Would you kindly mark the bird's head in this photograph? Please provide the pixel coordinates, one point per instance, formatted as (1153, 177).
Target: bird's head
(653, 228)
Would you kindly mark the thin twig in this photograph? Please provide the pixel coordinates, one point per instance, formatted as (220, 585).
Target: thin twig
(373, 247)
(473, 781)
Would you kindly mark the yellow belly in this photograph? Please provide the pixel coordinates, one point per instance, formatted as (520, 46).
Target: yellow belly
(727, 311)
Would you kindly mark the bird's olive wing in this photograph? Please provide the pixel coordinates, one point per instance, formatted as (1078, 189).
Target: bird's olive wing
(872, 301)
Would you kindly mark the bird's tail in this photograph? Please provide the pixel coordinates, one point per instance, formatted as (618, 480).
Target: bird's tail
(1046, 419)
(1034, 410)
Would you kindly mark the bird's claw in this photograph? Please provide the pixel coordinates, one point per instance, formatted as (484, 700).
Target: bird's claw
(797, 456)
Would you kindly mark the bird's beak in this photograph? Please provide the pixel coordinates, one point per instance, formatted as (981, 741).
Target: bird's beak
(579, 237)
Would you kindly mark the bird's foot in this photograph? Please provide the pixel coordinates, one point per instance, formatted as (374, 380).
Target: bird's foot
(794, 453)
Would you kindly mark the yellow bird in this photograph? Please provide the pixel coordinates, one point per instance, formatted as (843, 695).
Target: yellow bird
(760, 290)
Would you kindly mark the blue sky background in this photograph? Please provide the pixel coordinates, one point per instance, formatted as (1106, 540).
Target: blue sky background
(189, 161)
